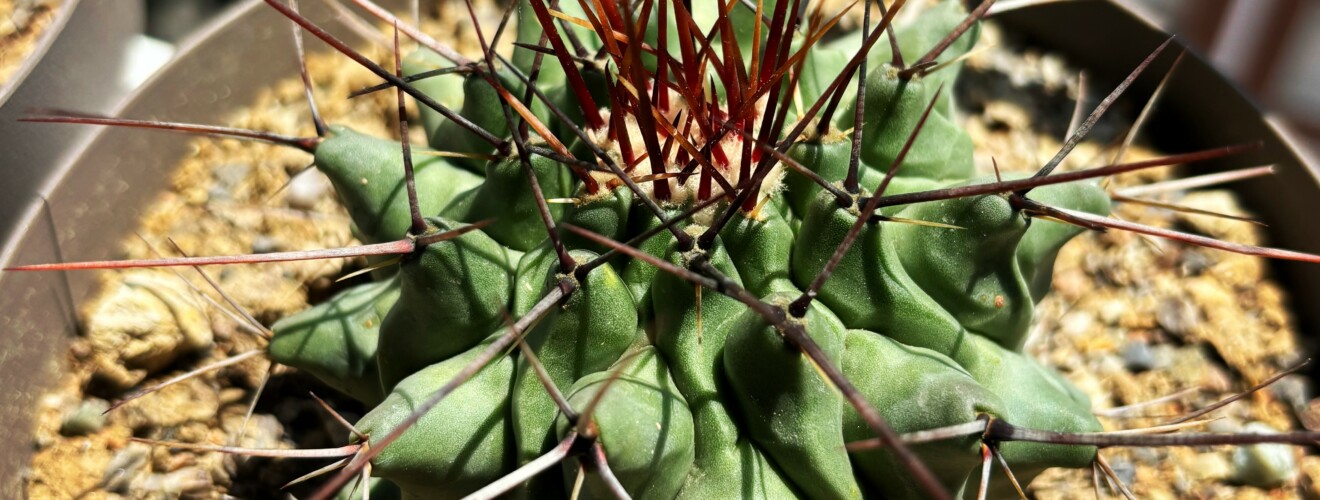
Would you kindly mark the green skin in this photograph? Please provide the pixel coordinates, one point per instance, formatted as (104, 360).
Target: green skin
(529, 278)
(918, 389)
(585, 335)
(605, 214)
(453, 295)
(909, 315)
(335, 341)
(1034, 397)
(638, 274)
(506, 196)
(973, 272)
(431, 460)
(445, 89)
(367, 173)
(894, 105)
(1040, 246)
(870, 289)
(820, 68)
(826, 156)
(761, 250)
(786, 405)
(914, 40)
(483, 106)
(643, 424)
(725, 455)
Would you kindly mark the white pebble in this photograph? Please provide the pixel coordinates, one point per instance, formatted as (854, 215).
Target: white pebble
(1263, 465)
(306, 189)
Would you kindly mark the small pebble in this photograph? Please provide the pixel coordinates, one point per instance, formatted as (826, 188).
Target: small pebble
(264, 244)
(1138, 357)
(232, 395)
(307, 189)
(217, 193)
(1195, 262)
(1213, 378)
(230, 175)
(81, 349)
(1162, 355)
(1177, 315)
(1126, 472)
(1224, 426)
(1209, 467)
(124, 467)
(1310, 416)
(1263, 465)
(1076, 323)
(1112, 311)
(1295, 390)
(89, 417)
(181, 482)
(1146, 455)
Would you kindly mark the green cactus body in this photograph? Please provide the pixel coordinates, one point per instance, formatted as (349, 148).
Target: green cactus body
(738, 469)
(453, 295)
(705, 399)
(638, 274)
(1034, 397)
(368, 176)
(918, 389)
(482, 105)
(585, 335)
(445, 89)
(692, 344)
(761, 249)
(870, 288)
(894, 105)
(788, 408)
(335, 341)
(825, 155)
(431, 460)
(691, 328)
(506, 196)
(1044, 238)
(529, 277)
(644, 426)
(604, 213)
(973, 272)
(914, 40)
(819, 69)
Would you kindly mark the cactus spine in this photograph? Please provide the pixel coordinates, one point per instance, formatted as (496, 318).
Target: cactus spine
(775, 260)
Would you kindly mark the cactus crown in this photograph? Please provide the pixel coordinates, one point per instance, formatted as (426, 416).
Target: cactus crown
(739, 250)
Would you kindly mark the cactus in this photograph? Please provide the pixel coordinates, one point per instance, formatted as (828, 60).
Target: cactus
(743, 298)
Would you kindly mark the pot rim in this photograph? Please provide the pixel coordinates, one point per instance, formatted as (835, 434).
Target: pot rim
(64, 11)
(71, 173)
(68, 219)
(191, 44)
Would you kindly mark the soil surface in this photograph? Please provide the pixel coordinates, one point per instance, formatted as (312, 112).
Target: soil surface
(1131, 319)
(21, 24)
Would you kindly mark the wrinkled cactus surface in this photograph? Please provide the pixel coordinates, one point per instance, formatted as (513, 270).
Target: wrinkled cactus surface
(679, 249)
(692, 393)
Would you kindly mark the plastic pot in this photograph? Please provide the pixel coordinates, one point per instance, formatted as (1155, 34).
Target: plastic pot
(77, 206)
(97, 197)
(76, 64)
